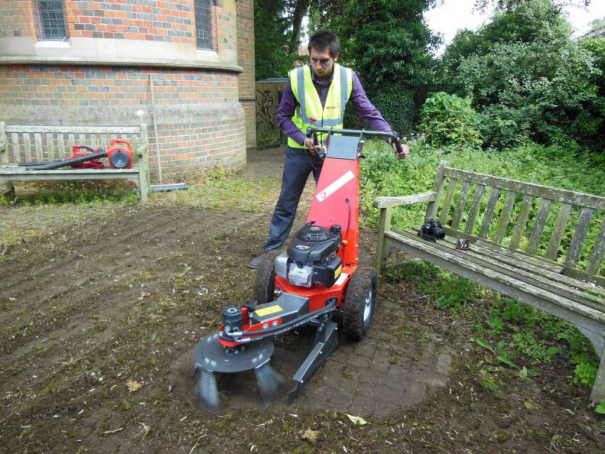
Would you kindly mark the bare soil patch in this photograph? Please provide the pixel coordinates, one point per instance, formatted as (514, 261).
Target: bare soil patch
(99, 320)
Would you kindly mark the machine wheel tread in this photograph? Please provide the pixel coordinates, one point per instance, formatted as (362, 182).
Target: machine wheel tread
(361, 284)
(265, 279)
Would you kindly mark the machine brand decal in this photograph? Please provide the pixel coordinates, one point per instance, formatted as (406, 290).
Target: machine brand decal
(337, 271)
(268, 310)
(302, 247)
(323, 195)
(341, 279)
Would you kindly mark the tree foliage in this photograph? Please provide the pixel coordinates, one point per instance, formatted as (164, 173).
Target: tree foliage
(509, 5)
(389, 46)
(272, 41)
(450, 120)
(528, 79)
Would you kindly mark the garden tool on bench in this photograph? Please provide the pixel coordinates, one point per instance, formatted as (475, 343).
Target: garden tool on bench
(317, 276)
(119, 155)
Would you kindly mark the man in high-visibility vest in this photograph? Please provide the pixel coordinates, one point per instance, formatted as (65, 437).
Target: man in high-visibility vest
(315, 94)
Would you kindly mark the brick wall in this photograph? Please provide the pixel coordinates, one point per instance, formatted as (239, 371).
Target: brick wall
(203, 144)
(245, 54)
(16, 19)
(111, 86)
(171, 21)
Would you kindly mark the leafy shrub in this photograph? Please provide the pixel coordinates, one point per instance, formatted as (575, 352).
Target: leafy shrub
(529, 79)
(450, 120)
(397, 107)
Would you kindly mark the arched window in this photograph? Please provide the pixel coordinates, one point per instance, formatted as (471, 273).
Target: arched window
(202, 24)
(52, 19)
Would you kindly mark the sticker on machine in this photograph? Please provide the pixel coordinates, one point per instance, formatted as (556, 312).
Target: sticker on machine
(341, 279)
(268, 310)
(323, 195)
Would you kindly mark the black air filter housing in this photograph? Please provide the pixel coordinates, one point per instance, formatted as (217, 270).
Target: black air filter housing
(313, 243)
(314, 233)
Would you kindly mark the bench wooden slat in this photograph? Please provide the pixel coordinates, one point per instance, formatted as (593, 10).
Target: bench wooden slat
(3, 145)
(505, 251)
(431, 211)
(27, 145)
(472, 216)
(507, 209)
(61, 144)
(39, 149)
(539, 225)
(391, 202)
(462, 261)
(534, 265)
(447, 203)
(531, 274)
(466, 186)
(536, 190)
(489, 212)
(82, 140)
(521, 221)
(50, 150)
(15, 147)
(576, 244)
(598, 251)
(75, 129)
(558, 231)
(71, 141)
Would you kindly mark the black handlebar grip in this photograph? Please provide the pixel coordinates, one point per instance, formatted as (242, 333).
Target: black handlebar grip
(398, 147)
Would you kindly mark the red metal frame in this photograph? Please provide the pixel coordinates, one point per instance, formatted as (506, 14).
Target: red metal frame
(335, 202)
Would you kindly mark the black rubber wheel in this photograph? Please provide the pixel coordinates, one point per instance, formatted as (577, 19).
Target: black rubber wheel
(265, 279)
(359, 304)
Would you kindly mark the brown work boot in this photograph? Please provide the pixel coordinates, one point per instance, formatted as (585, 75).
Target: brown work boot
(256, 261)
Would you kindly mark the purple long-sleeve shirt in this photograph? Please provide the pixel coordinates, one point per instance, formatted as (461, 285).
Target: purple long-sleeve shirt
(362, 104)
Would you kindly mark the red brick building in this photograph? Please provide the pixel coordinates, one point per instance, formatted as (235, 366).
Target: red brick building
(90, 62)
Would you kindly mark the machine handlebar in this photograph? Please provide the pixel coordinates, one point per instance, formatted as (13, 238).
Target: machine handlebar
(312, 131)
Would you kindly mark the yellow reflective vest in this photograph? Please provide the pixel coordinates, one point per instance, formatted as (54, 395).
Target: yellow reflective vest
(332, 114)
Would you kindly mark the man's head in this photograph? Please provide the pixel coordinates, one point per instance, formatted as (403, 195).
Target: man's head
(323, 49)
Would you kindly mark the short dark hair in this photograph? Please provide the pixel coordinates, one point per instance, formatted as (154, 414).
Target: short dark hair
(325, 39)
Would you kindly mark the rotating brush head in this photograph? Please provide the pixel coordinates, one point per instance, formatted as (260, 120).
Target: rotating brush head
(211, 358)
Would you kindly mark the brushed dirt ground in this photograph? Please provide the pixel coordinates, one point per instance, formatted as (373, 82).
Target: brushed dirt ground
(100, 313)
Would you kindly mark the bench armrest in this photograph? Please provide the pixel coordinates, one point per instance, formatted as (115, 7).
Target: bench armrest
(385, 202)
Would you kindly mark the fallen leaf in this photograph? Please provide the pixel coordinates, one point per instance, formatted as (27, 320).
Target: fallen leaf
(145, 294)
(311, 435)
(357, 420)
(133, 386)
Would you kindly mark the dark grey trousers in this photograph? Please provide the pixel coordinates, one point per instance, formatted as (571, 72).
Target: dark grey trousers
(298, 165)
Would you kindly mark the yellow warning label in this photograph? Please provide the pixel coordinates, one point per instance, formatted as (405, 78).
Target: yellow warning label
(268, 310)
(337, 272)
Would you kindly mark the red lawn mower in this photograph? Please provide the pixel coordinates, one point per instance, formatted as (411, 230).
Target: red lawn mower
(317, 276)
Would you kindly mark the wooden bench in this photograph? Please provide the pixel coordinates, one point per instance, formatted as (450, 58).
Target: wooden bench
(48, 143)
(533, 275)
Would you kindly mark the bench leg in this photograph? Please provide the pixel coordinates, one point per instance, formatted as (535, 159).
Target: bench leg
(143, 184)
(10, 190)
(598, 342)
(598, 389)
(381, 249)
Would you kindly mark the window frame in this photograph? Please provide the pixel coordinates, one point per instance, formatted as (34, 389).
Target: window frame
(197, 5)
(44, 33)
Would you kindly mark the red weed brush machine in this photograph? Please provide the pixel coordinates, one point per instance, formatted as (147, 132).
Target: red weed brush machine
(317, 276)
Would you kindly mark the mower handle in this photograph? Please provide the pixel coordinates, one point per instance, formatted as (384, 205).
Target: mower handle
(311, 130)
